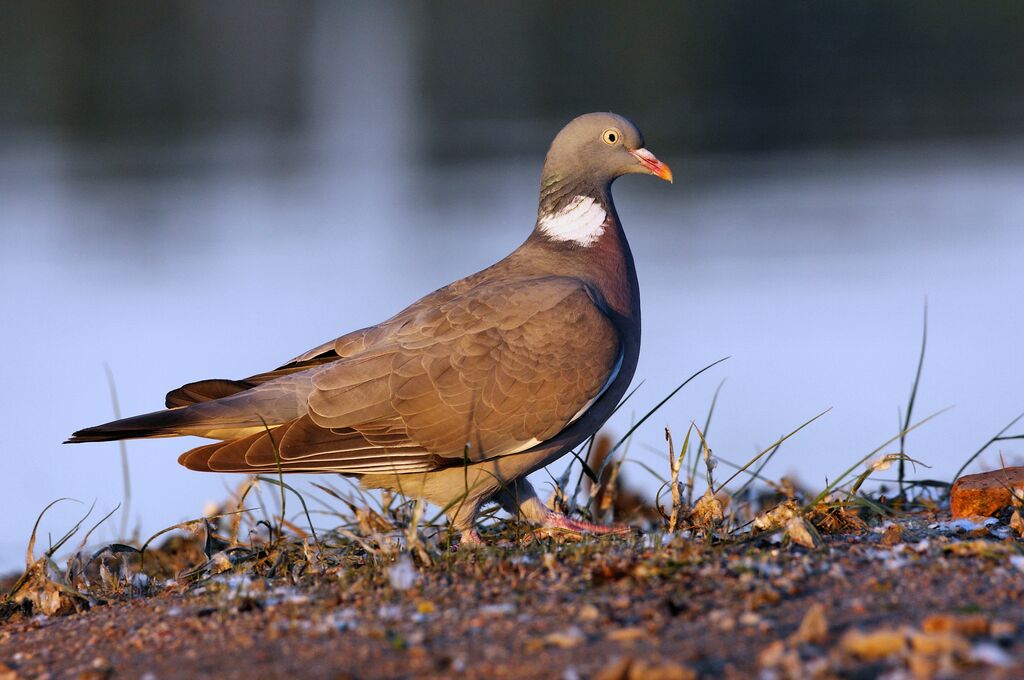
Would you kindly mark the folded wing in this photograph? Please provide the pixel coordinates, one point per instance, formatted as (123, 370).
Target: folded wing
(493, 371)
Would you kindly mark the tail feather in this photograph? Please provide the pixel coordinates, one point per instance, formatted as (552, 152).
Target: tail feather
(157, 424)
(229, 417)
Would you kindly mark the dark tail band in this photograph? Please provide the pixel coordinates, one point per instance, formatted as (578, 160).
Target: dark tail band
(156, 424)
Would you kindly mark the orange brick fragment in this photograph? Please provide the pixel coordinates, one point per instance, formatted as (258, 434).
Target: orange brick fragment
(986, 493)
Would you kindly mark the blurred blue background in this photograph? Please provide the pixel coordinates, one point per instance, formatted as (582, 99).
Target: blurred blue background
(193, 190)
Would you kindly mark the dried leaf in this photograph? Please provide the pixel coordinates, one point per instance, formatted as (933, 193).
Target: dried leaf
(626, 634)
(1017, 523)
(802, 533)
(835, 519)
(777, 517)
(708, 512)
(937, 644)
(873, 645)
(566, 639)
(813, 628)
(893, 535)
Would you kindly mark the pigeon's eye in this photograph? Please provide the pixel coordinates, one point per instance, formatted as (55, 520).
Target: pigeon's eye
(611, 136)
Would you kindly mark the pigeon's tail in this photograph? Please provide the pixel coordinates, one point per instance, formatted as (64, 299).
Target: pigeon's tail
(169, 423)
(218, 409)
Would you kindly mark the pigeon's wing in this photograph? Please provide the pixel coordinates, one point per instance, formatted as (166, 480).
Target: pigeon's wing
(500, 368)
(347, 345)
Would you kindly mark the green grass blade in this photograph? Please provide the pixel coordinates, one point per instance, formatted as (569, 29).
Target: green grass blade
(767, 450)
(997, 438)
(839, 480)
(913, 398)
(661, 403)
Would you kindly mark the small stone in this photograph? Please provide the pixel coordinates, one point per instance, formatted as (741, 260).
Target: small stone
(589, 612)
(938, 623)
(618, 670)
(893, 535)
(990, 655)
(503, 609)
(99, 669)
(986, 493)
(781, 661)
(938, 644)
(982, 548)
(140, 583)
(1003, 630)
(762, 597)
(533, 646)
(772, 655)
(813, 628)
(981, 528)
(622, 602)
(664, 670)
(873, 645)
(749, 619)
(923, 667)
(626, 634)
(403, 574)
(722, 619)
(566, 639)
(971, 625)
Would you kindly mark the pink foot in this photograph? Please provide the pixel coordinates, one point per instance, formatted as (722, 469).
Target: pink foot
(470, 538)
(556, 520)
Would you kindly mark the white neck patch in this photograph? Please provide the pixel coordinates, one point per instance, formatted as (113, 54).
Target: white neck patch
(581, 221)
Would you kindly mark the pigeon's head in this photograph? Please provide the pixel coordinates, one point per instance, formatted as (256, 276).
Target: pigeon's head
(598, 147)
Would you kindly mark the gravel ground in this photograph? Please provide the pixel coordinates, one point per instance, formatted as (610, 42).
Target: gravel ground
(918, 598)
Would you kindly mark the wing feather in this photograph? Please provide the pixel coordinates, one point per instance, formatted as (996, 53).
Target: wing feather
(500, 366)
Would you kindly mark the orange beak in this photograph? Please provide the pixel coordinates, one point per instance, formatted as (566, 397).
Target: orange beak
(652, 164)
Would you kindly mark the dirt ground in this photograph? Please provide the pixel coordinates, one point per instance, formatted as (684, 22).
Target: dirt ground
(918, 598)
